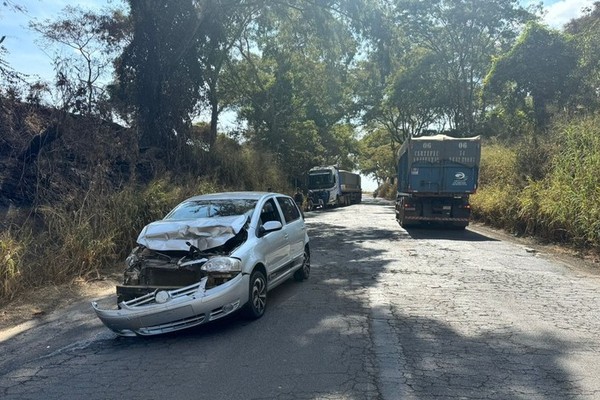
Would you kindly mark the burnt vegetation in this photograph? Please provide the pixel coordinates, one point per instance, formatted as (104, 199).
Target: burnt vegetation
(47, 154)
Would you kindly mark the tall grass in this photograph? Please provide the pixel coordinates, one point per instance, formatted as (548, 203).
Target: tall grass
(560, 201)
(565, 204)
(496, 201)
(12, 249)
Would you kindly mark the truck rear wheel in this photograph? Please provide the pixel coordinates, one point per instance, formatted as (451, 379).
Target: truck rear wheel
(406, 225)
(459, 226)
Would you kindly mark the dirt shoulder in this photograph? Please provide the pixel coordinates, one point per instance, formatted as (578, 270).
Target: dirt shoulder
(36, 304)
(584, 262)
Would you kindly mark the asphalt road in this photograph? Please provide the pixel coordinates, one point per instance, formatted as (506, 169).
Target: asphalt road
(386, 314)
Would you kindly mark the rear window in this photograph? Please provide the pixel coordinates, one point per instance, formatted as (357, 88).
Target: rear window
(211, 208)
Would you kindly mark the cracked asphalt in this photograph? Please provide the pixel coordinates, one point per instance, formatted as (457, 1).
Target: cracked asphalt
(386, 314)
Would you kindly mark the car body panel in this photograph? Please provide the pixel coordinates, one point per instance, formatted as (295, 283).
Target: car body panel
(294, 226)
(202, 233)
(186, 307)
(273, 245)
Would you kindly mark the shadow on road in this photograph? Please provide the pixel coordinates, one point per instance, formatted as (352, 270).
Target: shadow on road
(448, 234)
(440, 362)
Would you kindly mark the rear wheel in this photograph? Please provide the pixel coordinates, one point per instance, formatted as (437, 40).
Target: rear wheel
(257, 300)
(304, 271)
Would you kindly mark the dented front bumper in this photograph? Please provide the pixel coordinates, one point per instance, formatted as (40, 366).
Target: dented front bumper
(165, 311)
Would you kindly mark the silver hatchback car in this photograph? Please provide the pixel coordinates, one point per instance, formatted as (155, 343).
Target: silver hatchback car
(209, 257)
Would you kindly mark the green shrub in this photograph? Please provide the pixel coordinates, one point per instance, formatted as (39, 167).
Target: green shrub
(241, 167)
(387, 191)
(498, 165)
(496, 205)
(533, 157)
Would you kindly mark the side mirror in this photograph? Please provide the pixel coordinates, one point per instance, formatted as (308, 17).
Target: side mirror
(270, 226)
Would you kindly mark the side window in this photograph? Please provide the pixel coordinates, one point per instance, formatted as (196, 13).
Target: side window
(289, 209)
(269, 212)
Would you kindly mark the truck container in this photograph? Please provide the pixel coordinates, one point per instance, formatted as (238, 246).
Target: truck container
(330, 186)
(436, 176)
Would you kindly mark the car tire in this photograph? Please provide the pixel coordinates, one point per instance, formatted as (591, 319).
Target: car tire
(304, 271)
(257, 297)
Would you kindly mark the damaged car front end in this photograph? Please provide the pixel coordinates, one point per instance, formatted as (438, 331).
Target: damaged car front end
(183, 272)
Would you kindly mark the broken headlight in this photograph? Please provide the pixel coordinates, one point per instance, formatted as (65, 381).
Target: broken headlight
(220, 270)
(225, 265)
(133, 258)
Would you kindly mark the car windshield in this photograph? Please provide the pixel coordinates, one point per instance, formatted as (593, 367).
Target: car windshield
(211, 208)
(320, 180)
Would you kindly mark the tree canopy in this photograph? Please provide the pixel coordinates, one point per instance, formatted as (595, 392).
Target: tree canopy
(320, 82)
(539, 65)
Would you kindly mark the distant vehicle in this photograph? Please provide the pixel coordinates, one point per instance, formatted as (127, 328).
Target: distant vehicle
(436, 175)
(209, 257)
(331, 186)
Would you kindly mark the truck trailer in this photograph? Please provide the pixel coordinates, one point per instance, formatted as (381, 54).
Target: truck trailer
(330, 186)
(436, 176)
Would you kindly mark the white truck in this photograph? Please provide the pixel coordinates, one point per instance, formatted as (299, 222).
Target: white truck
(330, 186)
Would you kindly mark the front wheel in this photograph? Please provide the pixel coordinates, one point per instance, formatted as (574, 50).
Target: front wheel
(257, 300)
(304, 271)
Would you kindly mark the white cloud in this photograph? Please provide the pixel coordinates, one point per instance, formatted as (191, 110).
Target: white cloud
(562, 11)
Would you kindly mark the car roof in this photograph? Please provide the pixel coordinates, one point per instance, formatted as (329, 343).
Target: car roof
(233, 196)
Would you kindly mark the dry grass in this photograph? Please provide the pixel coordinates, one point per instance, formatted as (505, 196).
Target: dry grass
(558, 199)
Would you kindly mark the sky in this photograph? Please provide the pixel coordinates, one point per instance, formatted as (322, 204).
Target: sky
(26, 55)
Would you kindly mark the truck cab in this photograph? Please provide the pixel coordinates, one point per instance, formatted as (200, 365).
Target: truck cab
(330, 186)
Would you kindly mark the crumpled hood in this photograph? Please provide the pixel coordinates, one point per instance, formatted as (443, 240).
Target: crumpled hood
(204, 233)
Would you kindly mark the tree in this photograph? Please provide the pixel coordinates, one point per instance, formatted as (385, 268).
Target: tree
(225, 22)
(586, 34)
(158, 76)
(8, 74)
(378, 155)
(277, 122)
(292, 85)
(84, 43)
(416, 96)
(464, 35)
(540, 67)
